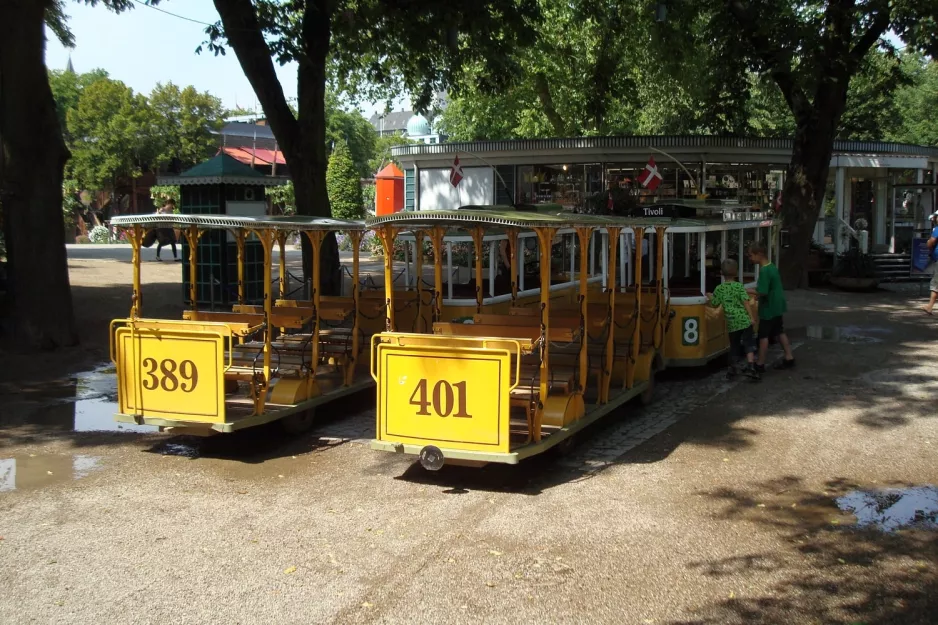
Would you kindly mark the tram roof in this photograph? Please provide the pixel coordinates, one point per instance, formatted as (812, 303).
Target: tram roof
(228, 222)
(544, 216)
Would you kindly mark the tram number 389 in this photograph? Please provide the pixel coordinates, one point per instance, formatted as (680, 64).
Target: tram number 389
(442, 399)
(169, 375)
(690, 331)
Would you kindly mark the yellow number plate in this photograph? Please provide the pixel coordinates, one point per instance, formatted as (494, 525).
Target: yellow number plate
(171, 374)
(448, 397)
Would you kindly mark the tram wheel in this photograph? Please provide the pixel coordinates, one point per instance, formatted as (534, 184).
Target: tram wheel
(648, 395)
(298, 422)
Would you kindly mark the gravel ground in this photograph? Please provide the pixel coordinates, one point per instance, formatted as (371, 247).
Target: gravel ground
(715, 505)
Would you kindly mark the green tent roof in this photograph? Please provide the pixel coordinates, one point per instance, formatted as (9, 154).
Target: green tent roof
(223, 169)
(221, 165)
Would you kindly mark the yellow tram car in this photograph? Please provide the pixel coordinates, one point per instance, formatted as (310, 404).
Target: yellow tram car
(513, 381)
(220, 371)
(512, 384)
(694, 249)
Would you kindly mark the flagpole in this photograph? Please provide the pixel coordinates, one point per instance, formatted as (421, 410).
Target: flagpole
(511, 196)
(681, 165)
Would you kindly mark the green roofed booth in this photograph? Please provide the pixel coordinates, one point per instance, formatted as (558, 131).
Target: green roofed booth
(223, 185)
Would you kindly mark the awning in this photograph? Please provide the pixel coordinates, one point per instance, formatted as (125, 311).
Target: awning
(259, 156)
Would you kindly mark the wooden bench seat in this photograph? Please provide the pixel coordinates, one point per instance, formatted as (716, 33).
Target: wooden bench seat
(528, 333)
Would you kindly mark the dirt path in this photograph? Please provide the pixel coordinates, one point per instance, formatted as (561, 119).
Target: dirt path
(716, 505)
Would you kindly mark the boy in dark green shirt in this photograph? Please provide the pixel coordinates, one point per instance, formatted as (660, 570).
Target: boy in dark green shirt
(772, 306)
(733, 297)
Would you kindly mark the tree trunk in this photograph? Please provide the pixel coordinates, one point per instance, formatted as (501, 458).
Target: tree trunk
(806, 180)
(34, 156)
(311, 96)
(303, 141)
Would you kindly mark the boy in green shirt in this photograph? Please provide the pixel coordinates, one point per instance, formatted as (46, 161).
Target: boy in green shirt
(772, 306)
(733, 297)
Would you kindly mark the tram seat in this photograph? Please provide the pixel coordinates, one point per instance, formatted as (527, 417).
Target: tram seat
(530, 333)
(561, 378)
(568, 319)
(239, 324)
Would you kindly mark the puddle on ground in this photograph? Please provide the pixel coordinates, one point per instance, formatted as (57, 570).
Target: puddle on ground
(890, 509)
(846, 334)
(39, 471)
(86, 402)
(97, 415)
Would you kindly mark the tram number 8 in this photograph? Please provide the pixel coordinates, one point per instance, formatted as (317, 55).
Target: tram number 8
(169, 375)
(444, 398)
(691, 331)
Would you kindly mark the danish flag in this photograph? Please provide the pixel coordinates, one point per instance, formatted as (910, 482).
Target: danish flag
(651, 177)
(455, 174)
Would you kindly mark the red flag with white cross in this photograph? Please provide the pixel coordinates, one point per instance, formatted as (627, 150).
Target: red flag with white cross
(651, 177)
(455, 174)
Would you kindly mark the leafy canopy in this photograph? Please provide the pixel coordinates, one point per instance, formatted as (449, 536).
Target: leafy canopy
(113, 131)
(185, 121)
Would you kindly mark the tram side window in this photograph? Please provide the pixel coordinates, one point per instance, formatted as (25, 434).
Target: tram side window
(684, 264)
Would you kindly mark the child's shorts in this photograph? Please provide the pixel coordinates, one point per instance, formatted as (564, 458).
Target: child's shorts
(771, 328)
(743, 342)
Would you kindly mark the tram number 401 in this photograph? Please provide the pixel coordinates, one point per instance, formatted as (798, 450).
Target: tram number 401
(170, 375)
(444, 398)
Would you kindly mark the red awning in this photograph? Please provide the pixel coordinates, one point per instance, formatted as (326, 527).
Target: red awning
(259, 156)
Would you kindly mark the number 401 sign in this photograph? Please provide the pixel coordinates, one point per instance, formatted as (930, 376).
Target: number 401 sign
(444, 398)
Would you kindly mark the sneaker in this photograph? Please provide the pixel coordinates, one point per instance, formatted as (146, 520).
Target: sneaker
(752, 373)
(784, 364)
(760, 369)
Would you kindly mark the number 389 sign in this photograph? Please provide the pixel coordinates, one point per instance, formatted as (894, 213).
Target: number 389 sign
(171, 374)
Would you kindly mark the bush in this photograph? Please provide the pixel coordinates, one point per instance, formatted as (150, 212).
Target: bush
(100, 234)
(342, 182)
(82, 239)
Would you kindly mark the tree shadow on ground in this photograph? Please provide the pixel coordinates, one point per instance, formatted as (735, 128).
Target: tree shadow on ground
(880, 372)
(828, 570)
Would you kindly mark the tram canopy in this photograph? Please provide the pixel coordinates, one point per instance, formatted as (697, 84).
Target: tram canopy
(296, 223)
(547, 216)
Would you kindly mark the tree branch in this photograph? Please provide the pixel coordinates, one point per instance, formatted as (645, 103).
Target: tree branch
(244, 34)
(547, 102)
(774, 58)
(868, 39)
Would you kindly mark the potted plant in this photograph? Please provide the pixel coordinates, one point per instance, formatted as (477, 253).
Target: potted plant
(854, 271)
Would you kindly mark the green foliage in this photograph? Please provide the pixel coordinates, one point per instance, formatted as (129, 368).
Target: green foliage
(113, 131)
(342, 180)
(382, 152)
(239, 111)
(917, 103)
(351, 128)
(368, 198)
(185, 119)
(71, 204)
(283, 197)
(67, 88)
(160, 193)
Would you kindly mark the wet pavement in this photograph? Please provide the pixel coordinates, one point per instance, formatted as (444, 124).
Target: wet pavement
(39, 471)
